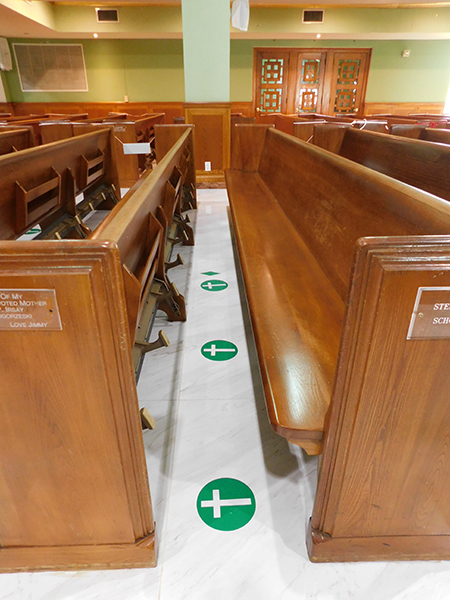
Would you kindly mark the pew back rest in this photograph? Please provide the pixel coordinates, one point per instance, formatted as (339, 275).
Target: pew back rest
(421, 132)
(333, 202)
(422, 164)
(304, 130)
(128, 222)
(134, 227)
(55, 130)
(43, 181)
(16, 139)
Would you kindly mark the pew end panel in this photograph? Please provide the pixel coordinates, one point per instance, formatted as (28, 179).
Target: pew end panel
(82, 499)
(330, 136)
(385, 472)
(248, 144)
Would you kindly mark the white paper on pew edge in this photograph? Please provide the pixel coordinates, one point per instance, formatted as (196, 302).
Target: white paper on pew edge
(139, 148)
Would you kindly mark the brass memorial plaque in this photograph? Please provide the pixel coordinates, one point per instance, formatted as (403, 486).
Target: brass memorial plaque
(431, 315)
(29, 309)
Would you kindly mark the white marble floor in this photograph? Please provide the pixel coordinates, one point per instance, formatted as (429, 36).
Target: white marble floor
(211, 424)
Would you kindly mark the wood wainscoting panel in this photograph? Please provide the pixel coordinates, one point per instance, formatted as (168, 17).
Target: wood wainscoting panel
(404, 108)
(99, 109)
(211, 137)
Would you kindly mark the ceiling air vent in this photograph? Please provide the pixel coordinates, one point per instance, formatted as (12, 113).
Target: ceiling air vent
(313, 16)
(107, 15)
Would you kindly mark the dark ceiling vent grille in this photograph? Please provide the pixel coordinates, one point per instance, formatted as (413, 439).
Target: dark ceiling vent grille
(107, 15)
(313, 16)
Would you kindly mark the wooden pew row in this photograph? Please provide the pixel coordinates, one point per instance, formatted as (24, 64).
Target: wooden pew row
(405, 120)
(425, 165)
(288, 123)
(305, 130)
(35, 120)
(131, 166)
(347, 274)
(422, 132)
(13, 139)
(69, 313)
(40, 185)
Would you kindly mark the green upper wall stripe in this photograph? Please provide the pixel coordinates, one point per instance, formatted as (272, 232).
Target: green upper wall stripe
(166, 21)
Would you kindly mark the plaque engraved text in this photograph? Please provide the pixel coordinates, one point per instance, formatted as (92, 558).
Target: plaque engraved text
(29, 309)
(431, 315)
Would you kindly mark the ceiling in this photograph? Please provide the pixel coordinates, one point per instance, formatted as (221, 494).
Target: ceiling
(265, 3)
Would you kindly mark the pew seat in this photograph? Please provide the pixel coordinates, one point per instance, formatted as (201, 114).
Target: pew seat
(299, 339)
(345, 269)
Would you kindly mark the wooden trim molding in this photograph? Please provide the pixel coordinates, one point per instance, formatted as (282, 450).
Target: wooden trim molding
(404, 108)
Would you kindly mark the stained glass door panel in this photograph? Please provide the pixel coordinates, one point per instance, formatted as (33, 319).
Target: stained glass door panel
(309, 80)
(349, 81)
(271, 82)
(310, 76)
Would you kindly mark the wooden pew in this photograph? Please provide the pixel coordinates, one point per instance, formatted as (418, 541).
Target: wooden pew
(347, 274)
(408, 120)
(330, 137)
(132, 132)
(14, 139)
(298, 125)
(165, 138)
(39, 185)
(131, 166)
(425, 165)
(422, 132)
(69, 326)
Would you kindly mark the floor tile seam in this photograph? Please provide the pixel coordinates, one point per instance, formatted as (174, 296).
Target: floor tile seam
(165, 526)
(246, 400)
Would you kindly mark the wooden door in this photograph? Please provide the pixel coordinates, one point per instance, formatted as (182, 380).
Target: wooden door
(310, 81)
(348, 81)
(271, 82)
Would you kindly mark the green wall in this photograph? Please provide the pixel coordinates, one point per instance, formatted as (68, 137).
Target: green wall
(423, 77)
(152, 70)
(143, 70)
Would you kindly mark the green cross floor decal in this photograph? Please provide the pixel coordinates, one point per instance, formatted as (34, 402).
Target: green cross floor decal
(219, 350)
(214, 285)
(226, 504)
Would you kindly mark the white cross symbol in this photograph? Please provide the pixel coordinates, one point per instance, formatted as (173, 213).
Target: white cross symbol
(210, 285)
(216, 503)
(214, 350)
